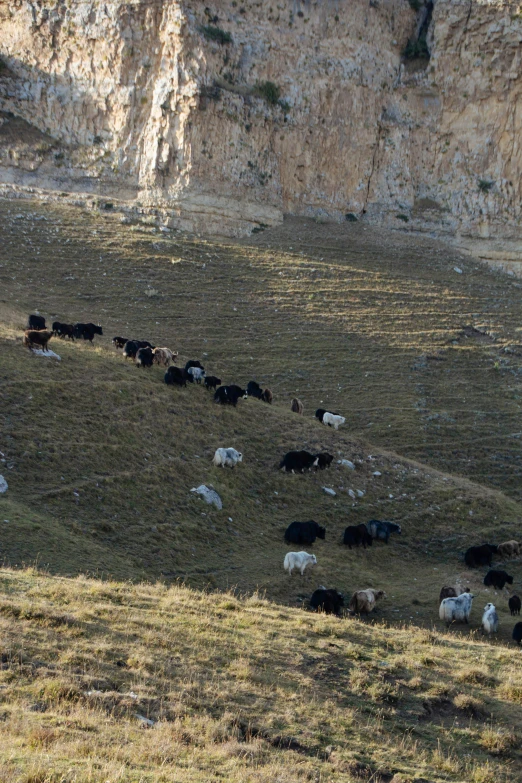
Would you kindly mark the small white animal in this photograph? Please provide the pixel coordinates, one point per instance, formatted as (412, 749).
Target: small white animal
(456, 610)
(298, 560)
(490, 619)
(226, 457)
(197, 373)
(333, 420)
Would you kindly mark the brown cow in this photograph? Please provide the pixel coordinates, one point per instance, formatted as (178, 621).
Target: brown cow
(297, 406)
(37, 339)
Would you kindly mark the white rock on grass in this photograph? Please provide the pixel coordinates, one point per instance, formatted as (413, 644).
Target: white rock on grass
(46, 354)
(3, 485)
(346, 464)
(209, 495)
(377, 473)
(330, 492)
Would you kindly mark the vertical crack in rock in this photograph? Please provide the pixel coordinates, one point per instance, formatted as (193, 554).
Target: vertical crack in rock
(372, 169)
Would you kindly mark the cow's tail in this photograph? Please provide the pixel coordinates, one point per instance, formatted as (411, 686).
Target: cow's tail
(286, 564)
(281, 464)
(352, 606)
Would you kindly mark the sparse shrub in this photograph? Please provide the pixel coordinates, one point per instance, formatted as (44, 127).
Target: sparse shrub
(384, 692)
(212, 33)
(485, 185)
(350, 217)
(474, 675)
(405, 219)
(269, 91)
(468, 704)
(416, 5)
(417, 49)
(497, 741)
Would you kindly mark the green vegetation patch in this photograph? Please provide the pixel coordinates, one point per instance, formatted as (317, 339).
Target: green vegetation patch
(213, 33)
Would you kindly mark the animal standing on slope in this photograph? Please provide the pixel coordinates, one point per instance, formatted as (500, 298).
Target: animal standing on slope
(229, 395)
(357, 535)
(144, 357)
(211, 382)
(509, 549)
(197, 374)
(331, 419)
(456, 610)
(254, 390)
(164, 356)
(296, 406)
(327, 601)
(490, 619)
(304, 532)
(363, 601)
(451, 592)
(497, 579)
(324, 460)
(119, 342)
(175, 376)
(87, 331)
(37, 339)
(382, 530)
(36, 323)
(300, 560)
(515, 604)
(267, 396)
(298, 461)
(480, 555)
(517, 633)
(63, 330)
(227, 458)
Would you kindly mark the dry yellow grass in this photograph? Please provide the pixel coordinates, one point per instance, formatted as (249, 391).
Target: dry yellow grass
(237, 689)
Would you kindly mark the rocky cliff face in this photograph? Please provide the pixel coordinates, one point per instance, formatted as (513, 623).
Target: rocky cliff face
(224, 116)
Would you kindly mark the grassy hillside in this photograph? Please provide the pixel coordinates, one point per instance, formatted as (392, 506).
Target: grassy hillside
(240, 690)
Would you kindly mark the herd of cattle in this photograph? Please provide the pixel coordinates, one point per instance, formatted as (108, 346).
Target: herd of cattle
(455, 602)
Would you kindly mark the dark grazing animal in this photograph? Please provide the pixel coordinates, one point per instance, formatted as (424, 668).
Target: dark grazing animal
(497, 579)
(193, 363)
(34, 338)
(296, 406)
(36, 322)
(298, 461)
(480, 555)
(267, 396)
(327, 601)
(119, 342)
(144, 357)
(382, 530)
(130, 349)
(87, 331)
(324, 460)
(254, 390)
(63, 330)
(357, 535)
(321, 411)
(451, 592)
(514, 604)
(304, 532)
(229, 395)
(175, 376)
(211, 382)
(517, 633)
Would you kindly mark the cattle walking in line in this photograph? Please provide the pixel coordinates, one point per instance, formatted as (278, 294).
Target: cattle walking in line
(363, 601)
(35, 323)
(196, 373)
(324, 460)
(63, 330)
(296, 406)
(327, 601)
(87, 331)
(119, 342)
(517, 633)
(227, 458)
(211, 382)
(194, 363)
(304, 532)
(229, 395)
(267, 396)
(175, 376)
(298, 461)
(299, 560)
(497, 579)
(37, 339)
(515, 604)
(357, 535)
(254, 390)
(164, 356)
(456, 610)
(490, 619)
(482, 555)
(509, 549)
(334, 420)
(144, 357)
(382, 530)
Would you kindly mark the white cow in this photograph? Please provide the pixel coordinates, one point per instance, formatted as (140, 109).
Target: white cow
(490, 619)
(197, 373)
(298, 560)
(226, 457)
(456, 610)
(333, 420)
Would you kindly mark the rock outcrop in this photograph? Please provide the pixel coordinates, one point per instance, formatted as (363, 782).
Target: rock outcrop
(223, 117)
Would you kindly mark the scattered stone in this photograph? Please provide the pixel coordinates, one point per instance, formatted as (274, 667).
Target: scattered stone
(146, 723)
(330, 492)
(46, 354)
(351, 493)
(3, 485)
(360, 493)
(457, 269)
(209, 495)
(377, 473)
(346, 464)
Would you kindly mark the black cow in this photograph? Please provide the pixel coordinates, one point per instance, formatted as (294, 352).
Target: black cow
(517, 633)
(298, 461)
(211, 382)
(357, 535)
(514, 604)
(63, 330)
(320, 413)
(144, 357)
(327, 601)
(36, 322)
(229, 395)
(175, 376)
(497, 579)
(324, 460)
(480, 555)
(254, 390)
(304, 532)
(130, 349)
(119, 342)
(193, 363)
(382, 530)
(87, 331)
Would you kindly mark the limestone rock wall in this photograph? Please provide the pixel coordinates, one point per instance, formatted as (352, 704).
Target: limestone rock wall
(141, 101)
